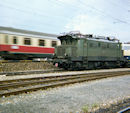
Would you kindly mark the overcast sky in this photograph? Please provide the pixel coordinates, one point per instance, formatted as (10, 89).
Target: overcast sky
(98, 17)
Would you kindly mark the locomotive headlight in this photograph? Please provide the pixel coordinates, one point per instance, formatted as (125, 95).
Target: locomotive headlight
(56, 64)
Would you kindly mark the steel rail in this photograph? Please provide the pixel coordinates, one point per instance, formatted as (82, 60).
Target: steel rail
(124, 110)
(45, 86)
(57, 76)
(9, 85)
(59, 80)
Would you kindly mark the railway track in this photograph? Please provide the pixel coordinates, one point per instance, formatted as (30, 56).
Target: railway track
(17, 86)
(30, 72)
(125, 110)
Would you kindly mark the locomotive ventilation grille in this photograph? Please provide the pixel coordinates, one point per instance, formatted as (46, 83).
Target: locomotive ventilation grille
(74, 51)
(60, 51)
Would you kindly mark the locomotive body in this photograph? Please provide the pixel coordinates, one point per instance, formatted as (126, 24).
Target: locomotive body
(86, 52)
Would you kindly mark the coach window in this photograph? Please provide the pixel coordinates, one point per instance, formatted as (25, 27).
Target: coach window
(54, 43)
(6, 39)
(14, 40)
(41, 42)
(27, 41)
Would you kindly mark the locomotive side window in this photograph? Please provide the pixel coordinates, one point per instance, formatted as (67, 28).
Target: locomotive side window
(85, 43)
(99, 44)
(54, 43)
(27, 41)
(91, 44)
(74, 42)
(6, 39)
(103, 45)
(63, 42)
(108, 46)
(41, 42)
(14, 40)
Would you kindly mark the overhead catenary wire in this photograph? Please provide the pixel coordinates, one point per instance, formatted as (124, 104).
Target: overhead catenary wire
(49, 24)
(32, 27)
(117, 5)
(99, 11)
(35, 11)
(30, 13)
(92, 7)
(104, 13)
(39, 14)
(36, 21)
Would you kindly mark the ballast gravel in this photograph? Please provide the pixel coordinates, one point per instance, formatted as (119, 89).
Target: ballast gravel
(4, 77)
(70, 98)
(25, 66)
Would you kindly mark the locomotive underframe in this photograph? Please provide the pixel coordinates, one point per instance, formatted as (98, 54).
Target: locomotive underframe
(78, 63)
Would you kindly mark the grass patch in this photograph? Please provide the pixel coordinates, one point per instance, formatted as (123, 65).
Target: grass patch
(85, 109)
(95, 105)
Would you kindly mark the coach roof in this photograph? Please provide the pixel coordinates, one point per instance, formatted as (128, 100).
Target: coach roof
(14, 31)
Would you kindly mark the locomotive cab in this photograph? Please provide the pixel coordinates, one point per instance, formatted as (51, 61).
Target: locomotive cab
(67, 48)
(66, 51)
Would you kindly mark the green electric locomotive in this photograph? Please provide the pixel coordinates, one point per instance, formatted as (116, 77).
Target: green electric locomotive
(79, 51)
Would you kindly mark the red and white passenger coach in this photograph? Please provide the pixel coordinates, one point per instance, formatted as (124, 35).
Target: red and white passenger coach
(23, 44)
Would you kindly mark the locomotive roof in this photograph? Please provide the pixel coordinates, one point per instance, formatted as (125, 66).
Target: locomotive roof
(14, 31)
(89, 37)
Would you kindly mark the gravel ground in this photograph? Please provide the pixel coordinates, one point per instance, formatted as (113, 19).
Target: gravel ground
(115, 107)
(70, 98)
(25, 66)
(4, 77)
